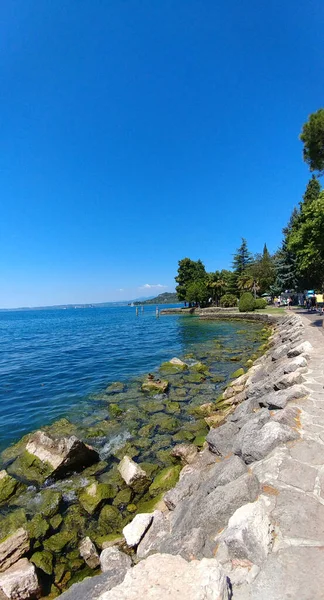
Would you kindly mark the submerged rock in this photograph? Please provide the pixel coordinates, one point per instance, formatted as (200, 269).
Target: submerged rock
(186, 452)
(109, 519)
(165, 480)
(43, 560)
(20, 581)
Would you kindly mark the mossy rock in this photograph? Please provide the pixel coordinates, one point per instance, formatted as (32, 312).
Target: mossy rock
(9, 487)
(94, 495)
(217, 378)
(196, 426)
(152, 406)
(76, 564)
(115, 388)
(115, 411)
(58, 542)
(59, 571)
(170, 368)
(165, 479)
(15, 450)
(235, 358)
(62, 427)
(180, 393)
(80, 575)
(146, 430)
(50, 502)
(29, 468)
(204, 410)
(56, 521)
(74, 520)
(149, 468)
(37, 527)
(43, 560)
(131, 508)
(128, 449)
(183, 436)
(195, 378)
(155, 385)
(11, 522)
(109, 520)
(95, 469)
(167, 423)
(199, 367)
(249, 363)
(114, 478)
(123, 498)
(237, 373)
(199, 440)
(172, 407)
(143, 444)
(148, 506)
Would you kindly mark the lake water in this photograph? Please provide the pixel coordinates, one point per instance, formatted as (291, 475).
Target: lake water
(53, 361)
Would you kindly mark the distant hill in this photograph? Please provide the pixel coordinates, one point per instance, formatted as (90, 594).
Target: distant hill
(165, 298)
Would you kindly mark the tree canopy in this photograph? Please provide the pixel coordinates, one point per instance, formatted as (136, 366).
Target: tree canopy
(312, 136)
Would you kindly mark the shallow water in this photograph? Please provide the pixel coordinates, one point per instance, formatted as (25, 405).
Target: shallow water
(51, 361)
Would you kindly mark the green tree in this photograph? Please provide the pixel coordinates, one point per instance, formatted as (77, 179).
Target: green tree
(312, 136)
(188, 272)
(197, 292)
(242, 259)
(263, 271)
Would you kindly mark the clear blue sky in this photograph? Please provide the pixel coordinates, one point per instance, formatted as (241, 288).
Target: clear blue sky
(134, 133)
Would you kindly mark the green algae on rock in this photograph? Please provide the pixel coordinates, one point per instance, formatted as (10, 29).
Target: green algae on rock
(110, 520)
(155, 385)
(43, 560)
(94, 495)
(9, 487)
(166, 479)
(237, 373)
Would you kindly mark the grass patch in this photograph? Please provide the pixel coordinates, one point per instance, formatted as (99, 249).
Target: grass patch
(271, 310)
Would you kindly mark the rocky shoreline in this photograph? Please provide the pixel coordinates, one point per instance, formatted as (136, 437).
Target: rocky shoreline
(67, 493)
(220, 526)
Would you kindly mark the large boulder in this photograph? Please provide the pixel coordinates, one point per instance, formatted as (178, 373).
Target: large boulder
(164, 576)
(303, 348)
(265, 440)
(60, 455)
(280, 398)
(220, 440)
(114, 561)
(133, 475)
(13, 547)
(20, 581)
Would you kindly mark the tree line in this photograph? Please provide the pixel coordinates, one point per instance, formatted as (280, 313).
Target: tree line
(296, 266)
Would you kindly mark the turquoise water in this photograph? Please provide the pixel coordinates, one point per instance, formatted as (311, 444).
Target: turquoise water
(52, 361)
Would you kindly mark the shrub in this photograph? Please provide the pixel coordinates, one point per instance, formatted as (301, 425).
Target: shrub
(247, 302)
(228, 300)
(260, 303)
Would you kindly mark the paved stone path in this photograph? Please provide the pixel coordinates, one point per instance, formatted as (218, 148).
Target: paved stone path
(293, 488)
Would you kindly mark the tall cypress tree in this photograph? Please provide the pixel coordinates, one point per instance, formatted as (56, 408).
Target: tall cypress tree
(242, 259)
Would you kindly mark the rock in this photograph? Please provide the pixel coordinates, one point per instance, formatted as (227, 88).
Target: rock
(215, 420)
(178, 362)
(159, 528)
(248, 430)
(288, 380)
(164, 576)
(135, 530)
(62, 455)
(133, 475)
(280, 352)
(280, 398)
(89, 553)
(304, 348)
(265, 440)
(248, 535)
(186, 452)
(220, 440)
(165, 480)
(299, 362)
(155, 385)
(57, 542)
(93, 496)
(43, 560)
(112, 560)
(38, 527)
(8, 487)
(237, 374)
(288, 416)
(20, 582)
(115, 388)
(91, 588)
(244, 411)
(109, 519)
(13, 547)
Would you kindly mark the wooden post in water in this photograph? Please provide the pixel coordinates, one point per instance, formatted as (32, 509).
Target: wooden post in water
(137, 311)
(157, 312)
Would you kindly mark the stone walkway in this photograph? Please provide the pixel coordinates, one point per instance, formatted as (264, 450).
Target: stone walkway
(293, 491)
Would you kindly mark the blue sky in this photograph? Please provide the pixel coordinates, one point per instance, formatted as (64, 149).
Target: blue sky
(134, 133)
